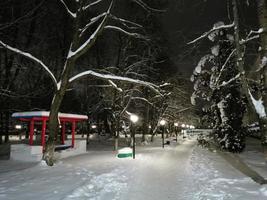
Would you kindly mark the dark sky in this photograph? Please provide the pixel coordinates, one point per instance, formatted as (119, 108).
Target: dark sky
(188, 19)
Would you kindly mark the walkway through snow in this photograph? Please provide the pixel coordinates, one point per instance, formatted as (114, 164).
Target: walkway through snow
(183, 171)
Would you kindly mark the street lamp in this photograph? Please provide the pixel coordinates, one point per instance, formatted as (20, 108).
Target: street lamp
(93, 126)
(175, 129)
(134, 118)
(18, 126)
(162, 123)
(183, 126)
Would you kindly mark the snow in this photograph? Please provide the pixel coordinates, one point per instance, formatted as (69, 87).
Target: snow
(46, 114)
(202, 62)
(92, 37)
(92, 4)
(211, 34)
(132, 34)
(193, 98)
(30, 56)
(263, 61)
(258, 105)
(182, 170)
(260, 30)
(114, 77)
(92, 21)
(67, 9)
(215, 50)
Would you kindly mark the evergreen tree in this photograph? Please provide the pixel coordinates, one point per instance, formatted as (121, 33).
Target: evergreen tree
(223, 94)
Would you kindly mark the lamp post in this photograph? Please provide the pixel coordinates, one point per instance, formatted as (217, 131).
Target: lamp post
(175, 129)
(183, 126)
(162, 123)
(134, 119)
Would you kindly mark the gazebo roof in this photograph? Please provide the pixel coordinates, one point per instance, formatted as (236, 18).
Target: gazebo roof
(45, 114)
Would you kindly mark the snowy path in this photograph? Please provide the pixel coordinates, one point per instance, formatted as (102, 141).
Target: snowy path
(183, 171)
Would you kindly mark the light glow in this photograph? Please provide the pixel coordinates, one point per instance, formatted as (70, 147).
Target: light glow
(93, 126)
(18, 126)
(162, 122)
(134, 118)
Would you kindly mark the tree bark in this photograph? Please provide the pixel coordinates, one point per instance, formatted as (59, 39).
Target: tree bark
(262, 15)
(54, 109)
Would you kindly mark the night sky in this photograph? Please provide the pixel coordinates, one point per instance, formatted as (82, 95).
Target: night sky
(186, 20)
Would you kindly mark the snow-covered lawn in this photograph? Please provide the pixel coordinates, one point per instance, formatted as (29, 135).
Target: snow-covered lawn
(183, 171)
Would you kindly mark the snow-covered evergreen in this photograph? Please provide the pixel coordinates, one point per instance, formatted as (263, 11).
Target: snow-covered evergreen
(216, 82)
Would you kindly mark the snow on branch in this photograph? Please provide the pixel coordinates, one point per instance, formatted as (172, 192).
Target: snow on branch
(256, 35)
(146, 7)
(258, 105)
(92, 21)
(133, 90)
(115, 86)
(92, 4)
(136, 64)
(206, 34)
(31, 57)
(141, 99)
(229, 81)
(249, 39)
(224, 65)
(72, 14)
(126, 22)
(136, 35)
(118, 78)
(90, 41)
(143, 76)
(165, 84)
(261, 30)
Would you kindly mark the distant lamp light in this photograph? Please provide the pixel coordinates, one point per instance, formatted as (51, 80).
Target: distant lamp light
(134, 118)
(175, 124)
(162, 122)
(93, 126)
(183, 125)
(18, 126)
(187, 126)
(149, 126)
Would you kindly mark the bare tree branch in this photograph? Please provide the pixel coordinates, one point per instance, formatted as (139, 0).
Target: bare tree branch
(146, 7)
(126, 22)
(136, 35)
(92, 21)
(90, 41)
(92, 4)
(31, 57)
(118, 78)
(72, 14)
(206, 34)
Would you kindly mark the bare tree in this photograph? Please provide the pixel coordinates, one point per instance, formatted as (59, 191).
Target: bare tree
(84, 36)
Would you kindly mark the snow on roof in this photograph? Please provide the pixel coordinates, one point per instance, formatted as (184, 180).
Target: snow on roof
(46, 114)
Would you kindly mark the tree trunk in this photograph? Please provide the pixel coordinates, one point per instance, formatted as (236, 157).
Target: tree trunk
(117, 134)
(262, 15)
(245, 88)
(53, 117)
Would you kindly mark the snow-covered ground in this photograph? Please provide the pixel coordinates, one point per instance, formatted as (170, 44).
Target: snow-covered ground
(180, 171)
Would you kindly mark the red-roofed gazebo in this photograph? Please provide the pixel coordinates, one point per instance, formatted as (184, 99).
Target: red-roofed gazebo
(42, 116)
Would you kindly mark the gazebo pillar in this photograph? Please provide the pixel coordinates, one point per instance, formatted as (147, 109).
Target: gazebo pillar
(31, 131)
(63, 130)
(43, 134)
(73, 133)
